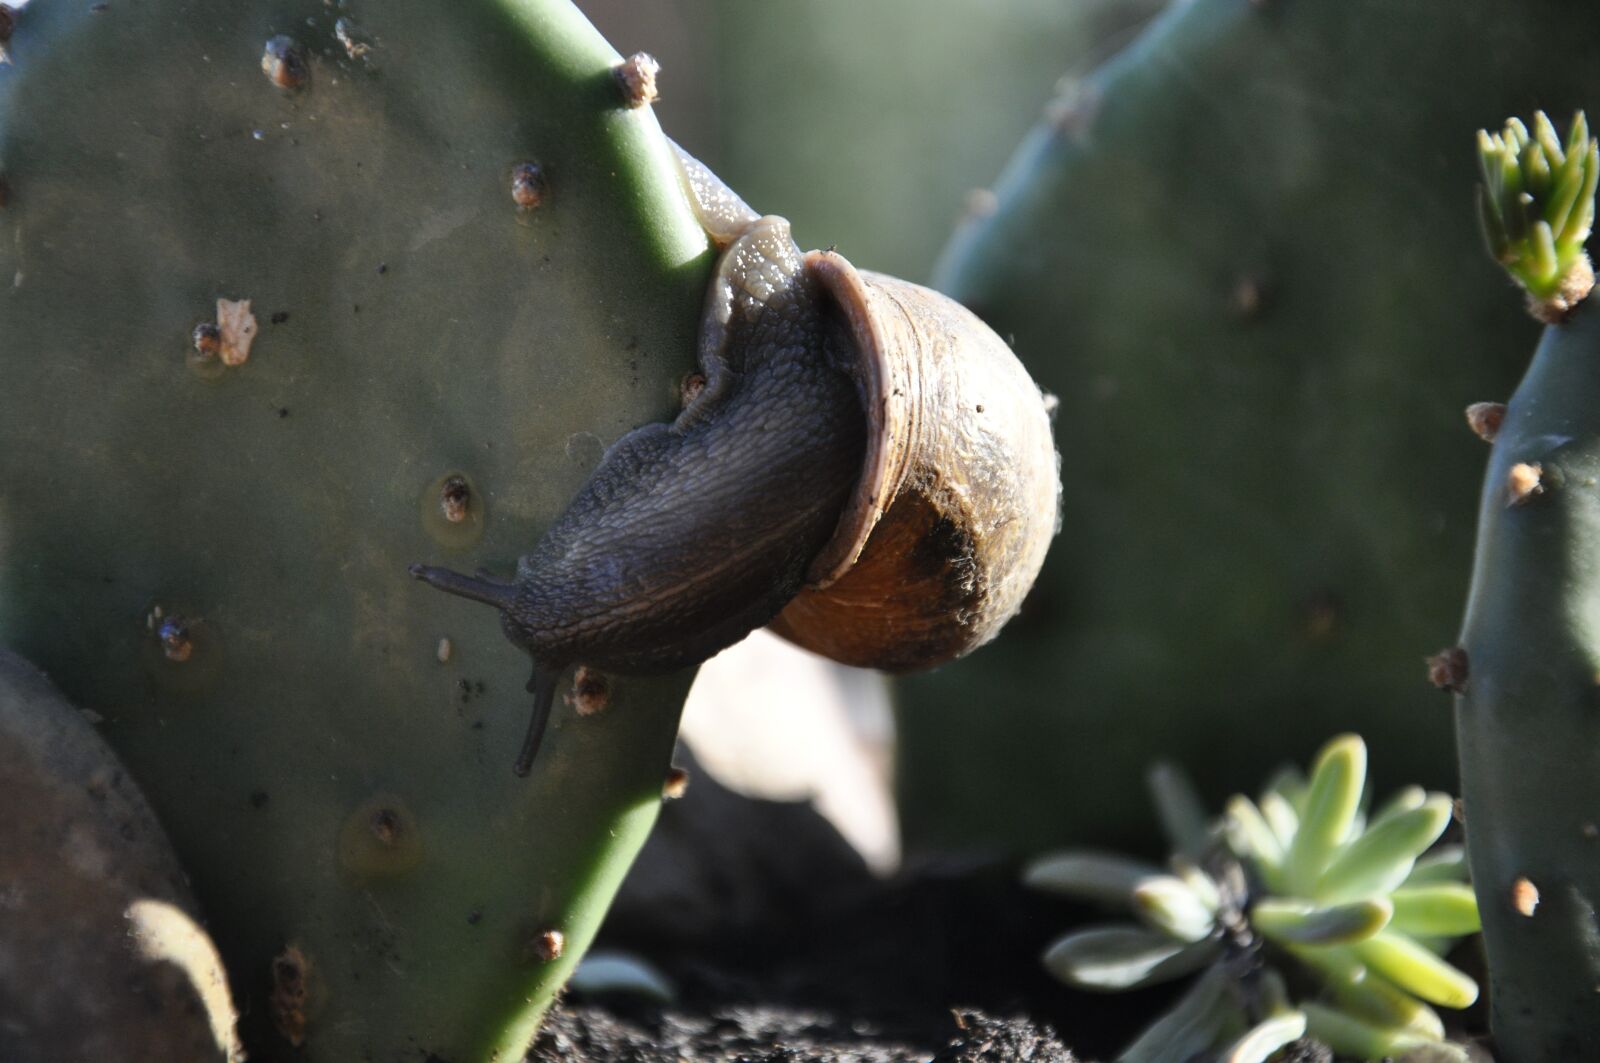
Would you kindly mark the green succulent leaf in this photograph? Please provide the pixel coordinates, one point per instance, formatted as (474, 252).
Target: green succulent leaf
(1330, 811)
(1265, 1038)
(1412, 967)
(1536, 204)
(1253, 840)
(1289, 783)
(1367, 995)
(1380, 859)
(1122, 956)
(1203, 885)
(1402, 800)
(1281, 817)
(1439, 1053)
(1443, 909)
(1104, 878)
(1447, 863)
(1294, 922)
(1193, 1025)
(1167, 903)
(1348, 1035)
(1183, 815)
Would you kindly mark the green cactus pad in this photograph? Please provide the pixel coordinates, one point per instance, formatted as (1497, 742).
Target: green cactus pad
(213, 556)
(1236, 255)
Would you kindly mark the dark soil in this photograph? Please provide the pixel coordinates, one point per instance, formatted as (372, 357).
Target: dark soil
(938, 966)
(782, 948)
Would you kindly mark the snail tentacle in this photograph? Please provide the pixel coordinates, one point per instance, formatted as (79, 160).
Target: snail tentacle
(479, 588)
(543, 688)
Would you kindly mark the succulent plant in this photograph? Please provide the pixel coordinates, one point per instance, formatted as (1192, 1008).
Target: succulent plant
(1536, 206)
(1306, 915)
(1524, 670)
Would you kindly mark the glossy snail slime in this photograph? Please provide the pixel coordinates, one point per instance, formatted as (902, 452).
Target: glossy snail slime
(868, 467)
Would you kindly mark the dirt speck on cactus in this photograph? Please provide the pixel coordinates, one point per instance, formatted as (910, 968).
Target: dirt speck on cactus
(455, 499)
(453, 510)
(528, 185)
(1525, 480)
(691, 387)
(380, 839)
(176, 642)
(237, 327)
(284, 63)
(637, 76)
(207, 340)
(591, 691)
(354, 47)
(1524, 897)
(548, 945)
(291, 994)
(1485, 419)
(1447, 670)
(1249, 298)
(446, 648)
(980, 203)
(1072, 113)
(676, 785)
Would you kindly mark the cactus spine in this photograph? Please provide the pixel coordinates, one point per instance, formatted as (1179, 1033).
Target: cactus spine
(1528, 712)
(469, 266)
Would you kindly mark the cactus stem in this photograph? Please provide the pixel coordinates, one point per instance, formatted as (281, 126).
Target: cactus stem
(1448, 670)
(1485, 419)
(1525, 480)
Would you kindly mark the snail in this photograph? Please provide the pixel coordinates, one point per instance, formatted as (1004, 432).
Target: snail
(868, 468)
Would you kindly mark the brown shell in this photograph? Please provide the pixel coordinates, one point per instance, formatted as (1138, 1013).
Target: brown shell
(960, 491)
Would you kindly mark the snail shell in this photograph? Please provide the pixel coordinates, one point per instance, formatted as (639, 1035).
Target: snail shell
(866, 457)
(959, 494)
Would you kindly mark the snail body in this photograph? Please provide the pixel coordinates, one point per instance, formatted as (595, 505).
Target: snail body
(855, 462)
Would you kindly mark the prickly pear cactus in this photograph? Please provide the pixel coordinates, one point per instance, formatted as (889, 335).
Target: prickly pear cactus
(298, 294)
(1235, 255)
(1529, 659)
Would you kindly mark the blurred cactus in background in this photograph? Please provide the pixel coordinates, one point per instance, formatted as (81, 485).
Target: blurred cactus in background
(1236, 255)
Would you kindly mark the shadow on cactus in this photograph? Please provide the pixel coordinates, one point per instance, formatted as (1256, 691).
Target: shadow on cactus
(1305, 914)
